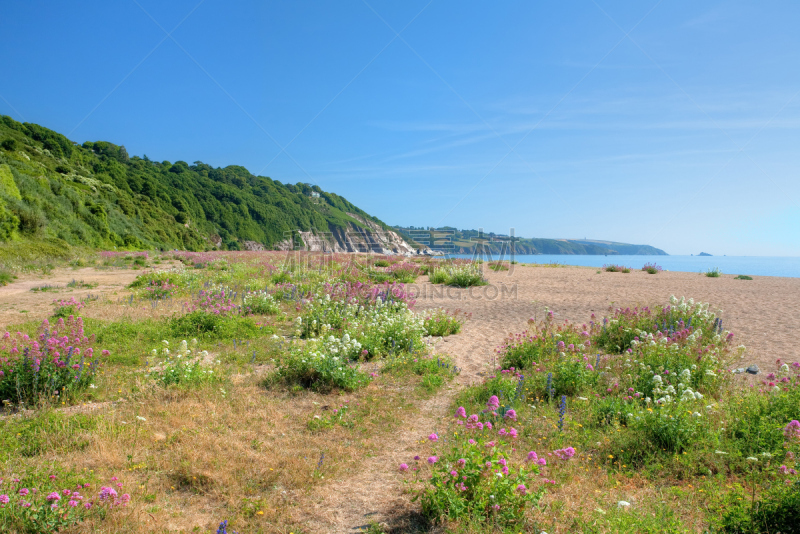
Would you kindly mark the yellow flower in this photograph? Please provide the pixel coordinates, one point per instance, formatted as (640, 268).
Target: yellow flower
(611, 456)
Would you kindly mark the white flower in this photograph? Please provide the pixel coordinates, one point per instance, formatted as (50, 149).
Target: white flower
(623, 504)
(720, 452)
(140, 418)
(752, 458)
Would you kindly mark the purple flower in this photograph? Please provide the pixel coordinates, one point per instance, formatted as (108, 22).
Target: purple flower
(416, 458)
(403, 468)
(565, 454)
(792, 430)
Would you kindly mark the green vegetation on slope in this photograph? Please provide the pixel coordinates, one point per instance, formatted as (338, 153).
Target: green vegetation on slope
(96, 195)
(465, 241)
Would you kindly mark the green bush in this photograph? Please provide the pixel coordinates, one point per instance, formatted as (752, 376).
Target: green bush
(184, 367)
(458, 275)
(310, 368)
(6, 278)
(476, 480)
(743, 277)
(63, 368)
(713, 273)
(441, 323)
(260, 303)
(381, 263)
(212, 326)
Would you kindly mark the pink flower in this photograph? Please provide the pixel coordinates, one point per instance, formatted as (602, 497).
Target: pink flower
(433, 437)
(521, 489)
(461, 462)
(461, 412)
(565, 454)
(511, 414)
(105, 353)
(792, 430)
(496, 507)
(471, 442)
(489, 425)
(454, 474)
(23, 492)
(403, 468)
(532, 456)
(73, 504)
(4, 499)
(432, 459)
(494, 403)
(54, 496)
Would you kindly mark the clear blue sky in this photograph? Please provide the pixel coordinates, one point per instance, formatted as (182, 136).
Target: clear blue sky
(675, 124)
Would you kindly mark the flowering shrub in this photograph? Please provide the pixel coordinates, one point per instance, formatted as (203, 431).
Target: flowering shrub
(441, 323)
(260, 303)
(30, 509)
(312, 366)
(680, 320)
(404, 272)
(458, 275)
(651, 268)
(543, 339)
(156, 290)
(381, 327)
(476, 476)
(183, 367)
(58, 361)
(65, 308)
(771, 414)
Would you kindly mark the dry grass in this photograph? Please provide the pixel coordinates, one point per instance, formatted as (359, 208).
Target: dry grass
(201, 456)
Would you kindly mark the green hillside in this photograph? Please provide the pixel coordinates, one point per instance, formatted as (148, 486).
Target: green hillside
(465, 241)
(96, 195)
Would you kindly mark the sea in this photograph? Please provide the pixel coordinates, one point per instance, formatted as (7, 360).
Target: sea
(748, 265)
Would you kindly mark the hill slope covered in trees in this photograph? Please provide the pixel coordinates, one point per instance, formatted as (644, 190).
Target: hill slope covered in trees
(96, 195)
(457, 241)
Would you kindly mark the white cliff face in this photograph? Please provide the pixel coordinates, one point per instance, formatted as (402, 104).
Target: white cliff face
(355, 238)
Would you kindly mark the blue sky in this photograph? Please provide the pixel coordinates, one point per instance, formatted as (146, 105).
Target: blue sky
(674, 124)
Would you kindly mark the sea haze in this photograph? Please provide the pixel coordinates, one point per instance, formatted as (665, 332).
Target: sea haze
(748, 265)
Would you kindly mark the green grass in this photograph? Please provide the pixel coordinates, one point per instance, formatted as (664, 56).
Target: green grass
(743, 277)
(714, 273)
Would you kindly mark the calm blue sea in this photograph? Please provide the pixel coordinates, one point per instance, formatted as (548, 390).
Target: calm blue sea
(749, 265)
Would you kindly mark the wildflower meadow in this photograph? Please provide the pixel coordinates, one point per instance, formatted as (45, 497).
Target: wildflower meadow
(236, 391)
